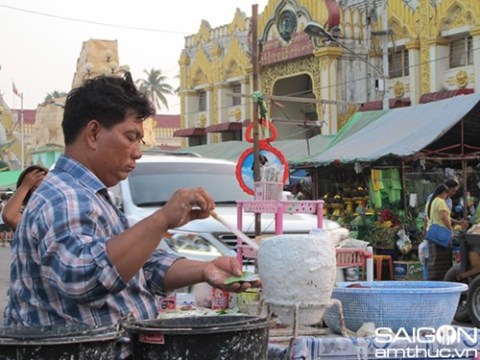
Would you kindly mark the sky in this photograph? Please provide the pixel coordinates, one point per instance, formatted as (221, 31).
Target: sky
(40, 41)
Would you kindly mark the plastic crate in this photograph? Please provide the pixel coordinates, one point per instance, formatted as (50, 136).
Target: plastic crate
(265, 190)
(352, 257)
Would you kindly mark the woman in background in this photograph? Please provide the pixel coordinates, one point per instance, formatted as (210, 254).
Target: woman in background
(27, 183)
(438, 212)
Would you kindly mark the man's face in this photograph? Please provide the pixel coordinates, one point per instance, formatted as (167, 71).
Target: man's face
(117, 150)
(452, 191)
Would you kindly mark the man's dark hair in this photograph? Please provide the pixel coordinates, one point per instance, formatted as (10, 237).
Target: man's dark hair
(451, 183)
(107, 99)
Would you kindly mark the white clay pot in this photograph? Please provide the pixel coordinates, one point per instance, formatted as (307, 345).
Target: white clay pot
(298, 270)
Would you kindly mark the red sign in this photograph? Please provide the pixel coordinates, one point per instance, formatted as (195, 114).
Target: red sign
(151, 338)
(273, 52)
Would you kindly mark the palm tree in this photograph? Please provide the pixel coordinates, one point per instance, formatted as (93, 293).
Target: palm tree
(155, 87)
(54, 95)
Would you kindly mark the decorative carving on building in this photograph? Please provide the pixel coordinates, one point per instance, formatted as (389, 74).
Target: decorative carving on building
(425, 30)
(398, 89)
(201, 121)
(48, 125)
(203, 34)
(96, 57)
(236, 54)
(216, 50)
(413, 4)
(287, 24)
(273, 52)
(200, 70)
(289, 69)
(457, 16)
(461, 78)
(237, 114)
(399, 31)
(239, 22)
(233, 70)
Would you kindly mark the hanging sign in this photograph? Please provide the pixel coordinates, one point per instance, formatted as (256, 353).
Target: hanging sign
(267, 153)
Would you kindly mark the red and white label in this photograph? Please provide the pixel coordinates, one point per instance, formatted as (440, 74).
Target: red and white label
(220, 299)
(151, 338)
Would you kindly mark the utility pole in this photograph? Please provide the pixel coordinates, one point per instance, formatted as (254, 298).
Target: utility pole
(22, 132)
(256, 150)
(385, 32)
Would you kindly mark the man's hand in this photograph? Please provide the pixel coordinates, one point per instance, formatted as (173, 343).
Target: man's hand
(223, 267)
(186, 205)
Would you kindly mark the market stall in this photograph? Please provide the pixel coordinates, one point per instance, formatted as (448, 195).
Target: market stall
(395, 159)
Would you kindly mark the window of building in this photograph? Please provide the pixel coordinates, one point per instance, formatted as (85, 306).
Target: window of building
(236, 89)
(202, 100)
(398, 63)
(461, 52)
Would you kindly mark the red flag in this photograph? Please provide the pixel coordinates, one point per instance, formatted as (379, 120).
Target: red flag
(15, 90)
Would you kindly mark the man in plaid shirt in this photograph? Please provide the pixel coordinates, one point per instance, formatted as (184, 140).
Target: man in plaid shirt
(75, 259)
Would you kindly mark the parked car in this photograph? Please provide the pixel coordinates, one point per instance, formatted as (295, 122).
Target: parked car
(157, 176)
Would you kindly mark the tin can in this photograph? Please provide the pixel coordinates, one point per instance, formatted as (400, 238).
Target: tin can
(167, 303)
(220, 299)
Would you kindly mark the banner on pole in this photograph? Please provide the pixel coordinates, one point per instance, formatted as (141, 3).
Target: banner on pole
(15, 90)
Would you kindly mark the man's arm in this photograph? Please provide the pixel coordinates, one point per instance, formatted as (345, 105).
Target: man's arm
(130, 250)
(184, 272)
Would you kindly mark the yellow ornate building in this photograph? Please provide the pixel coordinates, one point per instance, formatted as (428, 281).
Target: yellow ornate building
(433, 53)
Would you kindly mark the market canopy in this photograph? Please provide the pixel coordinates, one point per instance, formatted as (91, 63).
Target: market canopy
(356, 122)
(293, 150)
(8, 179)
(405, 131)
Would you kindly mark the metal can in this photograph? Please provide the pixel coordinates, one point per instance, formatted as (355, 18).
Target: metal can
(220, 299)
(167, 303)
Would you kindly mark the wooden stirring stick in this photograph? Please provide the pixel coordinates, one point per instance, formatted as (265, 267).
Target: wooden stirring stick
(235, 231)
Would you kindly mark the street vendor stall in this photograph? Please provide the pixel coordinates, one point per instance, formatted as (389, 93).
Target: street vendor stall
(431, 143)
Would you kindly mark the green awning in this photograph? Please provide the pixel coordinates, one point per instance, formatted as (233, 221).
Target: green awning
(294, 150)
(8, 179)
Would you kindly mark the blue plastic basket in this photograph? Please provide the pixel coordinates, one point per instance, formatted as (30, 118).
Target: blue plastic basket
(395, 304)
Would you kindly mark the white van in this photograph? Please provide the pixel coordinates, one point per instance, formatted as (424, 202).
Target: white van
(157, 176)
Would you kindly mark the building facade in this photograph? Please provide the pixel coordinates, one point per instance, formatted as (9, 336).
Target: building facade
(432, 52)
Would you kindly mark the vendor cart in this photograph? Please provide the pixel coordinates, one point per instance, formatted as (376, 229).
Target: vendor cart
(468, 272)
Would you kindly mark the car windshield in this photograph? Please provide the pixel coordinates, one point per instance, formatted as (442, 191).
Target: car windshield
(154, 183)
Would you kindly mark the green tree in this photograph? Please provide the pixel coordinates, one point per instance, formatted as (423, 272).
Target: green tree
(156, 88)
(54, 95)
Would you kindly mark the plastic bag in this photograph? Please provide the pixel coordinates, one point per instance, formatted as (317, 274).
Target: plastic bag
(403, 243)
(423, 252)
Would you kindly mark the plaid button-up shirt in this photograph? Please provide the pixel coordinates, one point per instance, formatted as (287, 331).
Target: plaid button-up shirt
(60, 271)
